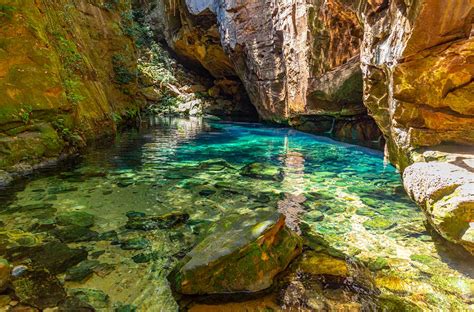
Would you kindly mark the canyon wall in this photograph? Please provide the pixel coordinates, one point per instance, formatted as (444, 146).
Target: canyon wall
(298, 61)
(418, 66)
(67, 74)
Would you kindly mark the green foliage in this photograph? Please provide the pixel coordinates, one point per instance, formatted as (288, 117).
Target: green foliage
(111, 5)
(71, 137)
(72, 88)
(123, 75)
(117, 118)
(26, 113)
(130, 27)
(6, 11)
(72, 59)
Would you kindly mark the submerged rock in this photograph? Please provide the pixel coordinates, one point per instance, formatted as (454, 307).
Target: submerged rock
(81, 271)
(94, 297)
(137, 243)
(38, 288)
(78, 218)
(262, 171)
(243, 255)
(139, 221)
(55, 257)
(75, 233)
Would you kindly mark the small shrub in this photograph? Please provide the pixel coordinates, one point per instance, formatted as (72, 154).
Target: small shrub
(122, 74)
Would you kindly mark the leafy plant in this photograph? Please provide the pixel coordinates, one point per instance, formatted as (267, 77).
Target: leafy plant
(69, 136)
(26, 113)
(72, 91)
(123, 75)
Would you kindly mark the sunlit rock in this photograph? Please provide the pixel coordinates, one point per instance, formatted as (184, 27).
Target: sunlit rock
(243, 255)
(446, 193)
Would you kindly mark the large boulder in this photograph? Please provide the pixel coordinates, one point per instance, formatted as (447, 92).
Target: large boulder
(445, 191)
(243, 254)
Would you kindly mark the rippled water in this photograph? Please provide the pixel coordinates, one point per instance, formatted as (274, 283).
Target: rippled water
(341, 194)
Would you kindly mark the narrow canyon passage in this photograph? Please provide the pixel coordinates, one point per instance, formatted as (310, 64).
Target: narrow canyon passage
(343, 199)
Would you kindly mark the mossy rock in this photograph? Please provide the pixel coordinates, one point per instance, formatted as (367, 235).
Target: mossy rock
(389, 303)
(242, 255)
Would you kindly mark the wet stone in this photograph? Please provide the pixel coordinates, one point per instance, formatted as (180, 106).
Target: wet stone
(78, 218)
(137, 243)
(378, 223)
(243, 254)
(94, 297)
(262, 171)
(39, 288)
(146, 257)
(108, 236)
(56, 257)
(147, 223)
(74, 233)
(74, 304)
(81, 271)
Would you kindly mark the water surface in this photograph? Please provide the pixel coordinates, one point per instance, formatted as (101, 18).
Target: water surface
(346, 194)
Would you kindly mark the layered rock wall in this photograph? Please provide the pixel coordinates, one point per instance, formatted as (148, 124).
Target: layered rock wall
(67, 72)
(298, 60)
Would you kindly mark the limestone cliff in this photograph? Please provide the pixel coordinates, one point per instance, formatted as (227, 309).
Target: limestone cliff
(297, 60)
(67, 73)
(418, 67)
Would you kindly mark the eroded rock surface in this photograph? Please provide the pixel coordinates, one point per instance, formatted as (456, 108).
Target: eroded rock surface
(418, 70)
(446, 193)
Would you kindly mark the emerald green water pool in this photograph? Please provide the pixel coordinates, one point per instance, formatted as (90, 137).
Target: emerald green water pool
(345, 195)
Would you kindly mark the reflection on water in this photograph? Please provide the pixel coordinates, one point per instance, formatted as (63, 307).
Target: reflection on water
(342, 193)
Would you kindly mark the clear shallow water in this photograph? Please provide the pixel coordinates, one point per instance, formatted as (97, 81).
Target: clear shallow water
(345, 194)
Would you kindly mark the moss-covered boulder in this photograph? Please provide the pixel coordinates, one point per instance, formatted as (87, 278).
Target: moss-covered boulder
(243, 254)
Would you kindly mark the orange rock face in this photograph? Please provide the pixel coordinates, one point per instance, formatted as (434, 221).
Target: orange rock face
(418, 67)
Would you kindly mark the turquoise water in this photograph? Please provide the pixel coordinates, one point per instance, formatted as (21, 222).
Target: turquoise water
(345, 195)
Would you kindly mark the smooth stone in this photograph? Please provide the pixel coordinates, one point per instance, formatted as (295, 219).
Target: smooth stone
(137, 243)
(262, 171)
(18, 270)
(94, 297)
(5, 270)
(78, 218)
(81, 271)
(147, 223)
(38, 288)
(74, 234)
(243, 254)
